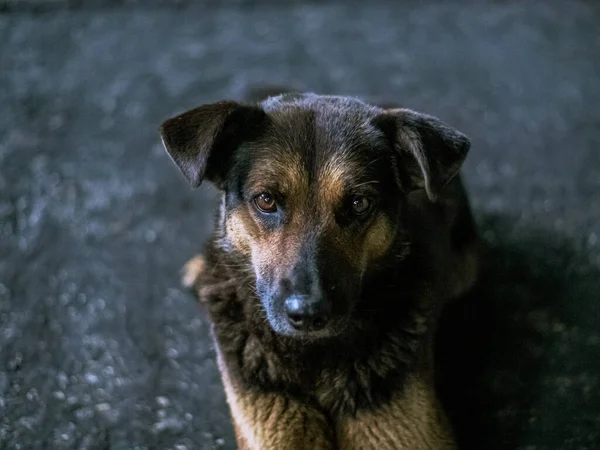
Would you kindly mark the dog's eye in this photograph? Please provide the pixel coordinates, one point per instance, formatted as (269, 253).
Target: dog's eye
(360, 205)
(265, 202)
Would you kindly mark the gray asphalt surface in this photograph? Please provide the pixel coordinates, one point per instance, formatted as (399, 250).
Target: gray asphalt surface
(99, 346)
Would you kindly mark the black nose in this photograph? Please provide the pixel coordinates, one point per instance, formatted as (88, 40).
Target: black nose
(306, 313)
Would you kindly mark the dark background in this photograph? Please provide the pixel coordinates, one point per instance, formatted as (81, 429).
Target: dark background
(99, 346)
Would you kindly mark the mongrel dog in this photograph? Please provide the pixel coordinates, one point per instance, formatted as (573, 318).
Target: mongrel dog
(344, 227)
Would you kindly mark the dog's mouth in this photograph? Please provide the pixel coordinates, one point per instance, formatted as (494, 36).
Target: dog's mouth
(319, 329)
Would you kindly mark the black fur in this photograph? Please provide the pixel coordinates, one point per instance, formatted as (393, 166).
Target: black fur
(358, 369)
(391, 322)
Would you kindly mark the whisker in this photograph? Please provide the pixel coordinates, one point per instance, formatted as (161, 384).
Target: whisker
(373, 162)
(366, 183)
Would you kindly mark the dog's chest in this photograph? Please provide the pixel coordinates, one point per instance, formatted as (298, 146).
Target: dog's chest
(354, 388)
(339, 385)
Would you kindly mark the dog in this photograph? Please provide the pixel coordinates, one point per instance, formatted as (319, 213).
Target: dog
(343, 230)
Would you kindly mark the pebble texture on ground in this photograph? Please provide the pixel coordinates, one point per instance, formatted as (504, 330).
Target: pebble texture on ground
(100, 348)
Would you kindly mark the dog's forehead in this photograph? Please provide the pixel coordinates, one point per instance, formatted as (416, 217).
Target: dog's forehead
(317, 143)
(330, 124)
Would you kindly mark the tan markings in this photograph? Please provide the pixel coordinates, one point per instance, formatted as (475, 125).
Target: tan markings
(192, 270)
(275, 249)
(241, 230)
(413, 421)
(278, 249)
(284, 172)
(361, 251)
(332, 180)
(266, 421)
(378, 239)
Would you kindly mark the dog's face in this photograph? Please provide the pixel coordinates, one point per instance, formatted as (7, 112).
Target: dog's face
(313, 188)
(312, 204)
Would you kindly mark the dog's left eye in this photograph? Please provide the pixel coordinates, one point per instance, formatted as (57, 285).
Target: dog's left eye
(360, 205)
(265, 202)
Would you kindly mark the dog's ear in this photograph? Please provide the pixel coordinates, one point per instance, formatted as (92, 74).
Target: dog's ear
(431, 152)
(201, 141)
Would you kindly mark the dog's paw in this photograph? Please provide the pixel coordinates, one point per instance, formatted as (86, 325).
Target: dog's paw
(192, 270)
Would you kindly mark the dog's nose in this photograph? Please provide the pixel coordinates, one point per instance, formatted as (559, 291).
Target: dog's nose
(306, 313)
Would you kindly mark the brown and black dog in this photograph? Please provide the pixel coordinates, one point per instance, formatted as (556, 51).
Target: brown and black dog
(344, 227)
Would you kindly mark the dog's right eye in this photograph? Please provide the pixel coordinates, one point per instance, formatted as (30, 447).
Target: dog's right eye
(360, 205)
(265, 203)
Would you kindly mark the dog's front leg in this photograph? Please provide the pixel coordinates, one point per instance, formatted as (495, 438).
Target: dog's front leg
(272, 421)
(413, 420)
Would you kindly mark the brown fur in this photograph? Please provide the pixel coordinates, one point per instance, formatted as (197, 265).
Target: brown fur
(271, 250)
(413, 419)
(371, 385)
(271, 420)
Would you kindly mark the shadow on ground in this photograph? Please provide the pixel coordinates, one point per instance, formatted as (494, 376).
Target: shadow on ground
(495, 345)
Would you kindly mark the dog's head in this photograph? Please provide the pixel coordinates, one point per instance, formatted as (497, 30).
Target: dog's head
(313, 188)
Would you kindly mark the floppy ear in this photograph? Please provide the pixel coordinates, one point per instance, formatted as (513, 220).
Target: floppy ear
(431, 153)
(201, 141)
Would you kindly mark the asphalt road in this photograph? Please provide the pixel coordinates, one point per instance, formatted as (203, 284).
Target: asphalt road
(99, 346)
